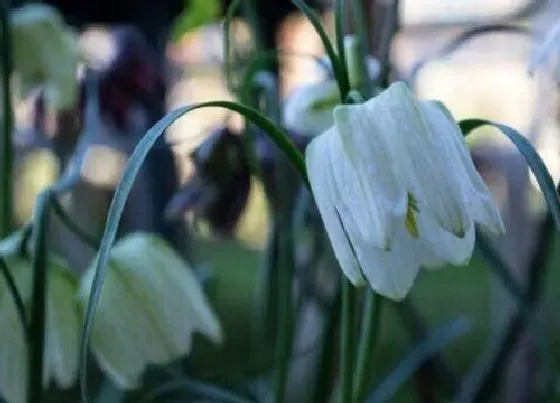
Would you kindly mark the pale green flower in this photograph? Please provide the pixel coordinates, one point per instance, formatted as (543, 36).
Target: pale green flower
(62, 331)
(45, 53)
(150, 305)
(308, 110)
(397, 189)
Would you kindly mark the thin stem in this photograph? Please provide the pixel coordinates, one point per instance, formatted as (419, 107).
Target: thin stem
(38, 299)
(326, 365)
(6, 174)
(347, 340)
(16, 296)
(86, 238)
(368, 340)
(359, 17)
(285, 311)
(339, 33)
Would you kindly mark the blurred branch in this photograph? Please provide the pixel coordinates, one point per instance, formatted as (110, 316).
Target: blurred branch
(461, 39)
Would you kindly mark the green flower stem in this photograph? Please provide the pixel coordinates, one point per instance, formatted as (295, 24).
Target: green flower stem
(285, 309)
(6, 199)
(368, 340)
(339, 8)
(38, 299)
(339, 68)
(347, 339)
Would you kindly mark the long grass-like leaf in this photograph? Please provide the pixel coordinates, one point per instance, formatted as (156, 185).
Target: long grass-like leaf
(431, 345)
(123, 189)
(338, 68)
(533, 159)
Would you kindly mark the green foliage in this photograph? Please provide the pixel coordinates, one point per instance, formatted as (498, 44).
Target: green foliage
(198, 13)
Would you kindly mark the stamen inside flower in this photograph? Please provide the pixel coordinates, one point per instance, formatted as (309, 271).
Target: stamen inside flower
(410, 221)
(326, 103)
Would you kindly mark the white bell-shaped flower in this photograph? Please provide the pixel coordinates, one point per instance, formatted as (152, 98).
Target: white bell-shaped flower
(308, 109)
(45, 53)
(397, 189)
(150, 305)
(62, 331)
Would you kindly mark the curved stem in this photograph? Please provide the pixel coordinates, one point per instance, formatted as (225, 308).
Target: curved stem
(86, 238)
(368, 339)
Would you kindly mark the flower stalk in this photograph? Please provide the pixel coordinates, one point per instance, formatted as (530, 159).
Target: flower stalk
(6, 199)
(368, 338)
(347, 340)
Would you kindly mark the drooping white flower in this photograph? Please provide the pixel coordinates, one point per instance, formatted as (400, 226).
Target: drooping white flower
(308, 110)
(45, 53)
(150, 305)
(62, 331)
(397, 189)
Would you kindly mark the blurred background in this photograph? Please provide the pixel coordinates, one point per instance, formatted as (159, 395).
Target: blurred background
(155, 56)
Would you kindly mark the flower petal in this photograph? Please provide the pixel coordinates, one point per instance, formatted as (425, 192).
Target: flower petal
(483, 208)
(122, 337)
(308, 110)
(178, 284)
(368, 150)
(426, 159)
(319, 169)
(150, 305)
(391, 273)
(448, 247)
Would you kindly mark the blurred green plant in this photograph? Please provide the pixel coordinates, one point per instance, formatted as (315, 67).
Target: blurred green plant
(196, 14)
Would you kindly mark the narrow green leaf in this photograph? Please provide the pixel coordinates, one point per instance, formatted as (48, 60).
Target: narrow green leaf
(339, 18)
(535, 162)
(338, 68)
(196, 14)
(123, 189)
(6, 159)
(426, 348)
